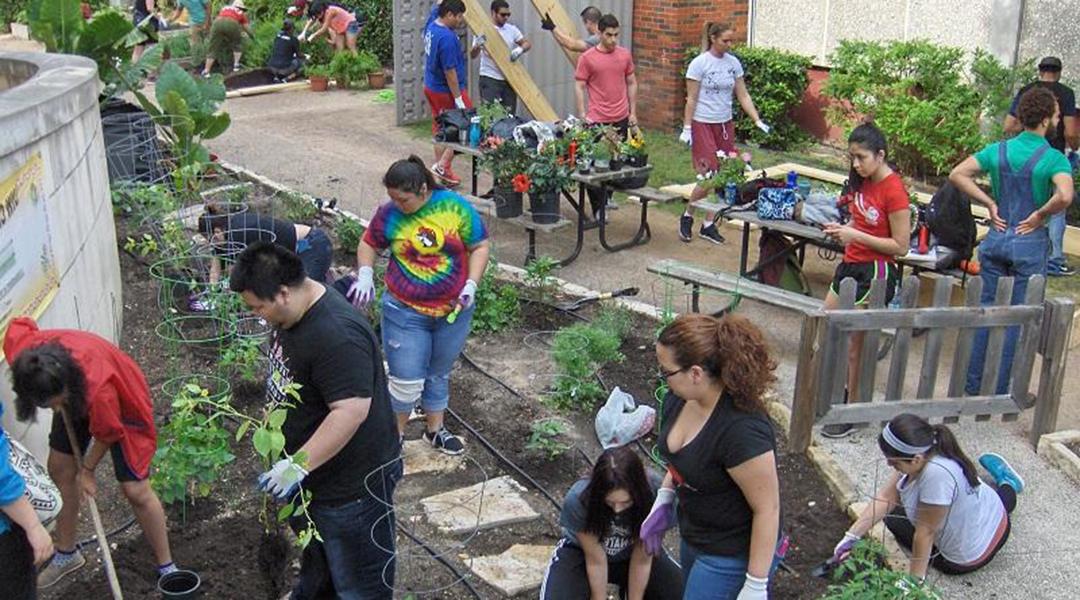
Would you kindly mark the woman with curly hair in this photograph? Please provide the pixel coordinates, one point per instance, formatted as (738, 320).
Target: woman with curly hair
(721, 453)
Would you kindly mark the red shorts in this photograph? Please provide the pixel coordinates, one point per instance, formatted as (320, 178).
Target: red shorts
(440, 101)
(707, 139)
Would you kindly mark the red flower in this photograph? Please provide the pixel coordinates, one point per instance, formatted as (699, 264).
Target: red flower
(521, 183)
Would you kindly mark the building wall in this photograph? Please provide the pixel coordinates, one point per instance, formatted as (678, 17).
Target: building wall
(1053, 28)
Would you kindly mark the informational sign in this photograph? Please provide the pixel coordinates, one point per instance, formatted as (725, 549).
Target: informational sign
(29, 277)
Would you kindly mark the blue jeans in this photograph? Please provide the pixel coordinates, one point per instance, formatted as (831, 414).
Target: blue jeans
(421, 347)
(355, 559)
(315, 251)
(714, 577)
(1005, 255)
(1056, 228)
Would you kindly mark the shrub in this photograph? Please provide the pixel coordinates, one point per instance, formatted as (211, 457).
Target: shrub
(378, 35)
(349, 233)
(497, 304)
(997, 85)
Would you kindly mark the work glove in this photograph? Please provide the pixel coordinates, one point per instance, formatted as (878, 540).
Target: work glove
(546, 23)
(762, 126)
(516, 53)
(467, 295)
(283, 479)
(754, 588)
(302, 38)
(661, 517)
(844, 547)
(162, 23)
(684, 137)
(459, 101)
(479, 40)
(362, 291)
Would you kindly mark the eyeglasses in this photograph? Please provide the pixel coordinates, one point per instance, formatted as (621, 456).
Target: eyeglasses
(504, 15)
(663, 375)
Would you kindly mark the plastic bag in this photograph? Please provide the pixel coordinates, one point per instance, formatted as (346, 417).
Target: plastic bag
(41, 492)
(619, 421)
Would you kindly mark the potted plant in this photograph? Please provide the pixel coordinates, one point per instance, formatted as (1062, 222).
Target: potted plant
(548, 174)
(318, 77)
(601, 158)
(347, 69)
(634, 150)
(506, 159)
(369, 64)
(728, 176)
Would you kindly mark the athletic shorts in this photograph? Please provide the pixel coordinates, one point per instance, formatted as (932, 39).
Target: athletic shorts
(706, 139)
(353, 29)
(864, 273)
(440, 101)
(58, 440)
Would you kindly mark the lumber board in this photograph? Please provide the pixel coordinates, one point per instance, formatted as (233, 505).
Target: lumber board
(478, 18)
(1052, 376)
(733, 283)
(964, 340)
(927, 318)
(934, 408)
(995, 344)
(563, 21)
(934, 340)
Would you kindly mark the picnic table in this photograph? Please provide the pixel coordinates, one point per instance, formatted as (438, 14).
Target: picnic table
(582, 221)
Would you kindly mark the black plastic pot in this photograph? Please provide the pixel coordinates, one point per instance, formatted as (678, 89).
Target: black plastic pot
(544, 206)
(508, 203)
(179, 585)
(616, 164)
(637, 161)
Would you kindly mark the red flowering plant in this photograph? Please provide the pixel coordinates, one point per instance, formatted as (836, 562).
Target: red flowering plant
(505, 158)
(550, 168)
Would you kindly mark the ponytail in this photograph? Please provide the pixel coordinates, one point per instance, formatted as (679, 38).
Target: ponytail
(945, 444)
(410, 175)
(711, 30)
(913, 430)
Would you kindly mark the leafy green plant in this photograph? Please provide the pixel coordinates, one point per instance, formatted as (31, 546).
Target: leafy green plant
(193, 448)
(144, 245)
(257, 51)
(548, 170)
(504, 158)
(544, 438)
(539, 282)
(377, 35)
(297, 208)
(490, 113)
(349, 232)
(997, 84)
(189, 115)
(244, 358)
(318, 70)
(777, 80)
(347, 69)
(497, 304)
(865, 574)
(579, 351)
(369, 63)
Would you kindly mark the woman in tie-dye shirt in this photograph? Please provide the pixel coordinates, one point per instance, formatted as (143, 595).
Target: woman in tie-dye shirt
(438, 252)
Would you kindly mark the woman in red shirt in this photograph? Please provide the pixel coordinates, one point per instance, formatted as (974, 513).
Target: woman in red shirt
(227, 35)
(879, 231)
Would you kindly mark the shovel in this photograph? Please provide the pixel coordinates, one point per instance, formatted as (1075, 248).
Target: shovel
(576, 304)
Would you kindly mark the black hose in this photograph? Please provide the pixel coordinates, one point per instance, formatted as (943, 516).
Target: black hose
(501, 383)
(90, 541)
(461, 578)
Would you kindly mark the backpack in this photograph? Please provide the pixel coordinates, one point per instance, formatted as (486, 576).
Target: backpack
(777, 204)
(785, 273)
(748, 191)
(452, 122)
(949, 217)
(504, 127)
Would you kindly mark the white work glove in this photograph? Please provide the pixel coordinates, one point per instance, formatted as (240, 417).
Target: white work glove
(845, 545)
(362, 291)
(162, 23)
(754, 588)
(467, 295)
(301, 38)
(684, 137)
(762, 126)
(479, 40)
(516, 53)
(459, 101)
(283, 479)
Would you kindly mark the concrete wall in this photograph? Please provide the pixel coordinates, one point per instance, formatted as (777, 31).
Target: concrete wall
(1053, 28)
(55, 113)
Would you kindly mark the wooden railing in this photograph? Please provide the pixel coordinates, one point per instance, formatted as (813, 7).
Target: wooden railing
(821, 378)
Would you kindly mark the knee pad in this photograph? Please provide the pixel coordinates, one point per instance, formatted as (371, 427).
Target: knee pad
(405, 390)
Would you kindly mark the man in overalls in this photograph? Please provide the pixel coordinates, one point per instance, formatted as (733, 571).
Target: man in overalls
(1031, 181)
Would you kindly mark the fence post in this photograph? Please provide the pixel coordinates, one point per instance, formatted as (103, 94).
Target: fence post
(804, 403)
(1058, 323)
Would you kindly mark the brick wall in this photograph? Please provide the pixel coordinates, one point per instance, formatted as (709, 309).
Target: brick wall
(662, 30)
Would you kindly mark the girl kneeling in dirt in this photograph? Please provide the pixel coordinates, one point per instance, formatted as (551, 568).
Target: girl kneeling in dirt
(106, 396)
(934, 503)
(721, 453)
(601, 517)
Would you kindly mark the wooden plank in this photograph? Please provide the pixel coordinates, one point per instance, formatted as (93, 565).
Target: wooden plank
(478, 17)
(1052, 377)
(996, 341)
(652, 195)
(928, 318)
(839, 377)
(868, 353)
(934, 339)
(1027, 345)
(964, 339)
(563, 22)
(832, 368)
(933, 408)
(894, 382)
(803, 407)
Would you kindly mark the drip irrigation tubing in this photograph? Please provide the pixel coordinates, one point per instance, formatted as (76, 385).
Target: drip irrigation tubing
(450, 567)
(90, 541)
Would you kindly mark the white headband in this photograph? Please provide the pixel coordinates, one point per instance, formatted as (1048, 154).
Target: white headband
(900, 445)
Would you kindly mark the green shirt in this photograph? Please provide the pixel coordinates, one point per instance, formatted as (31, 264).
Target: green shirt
(1018, 150)
(196, 11)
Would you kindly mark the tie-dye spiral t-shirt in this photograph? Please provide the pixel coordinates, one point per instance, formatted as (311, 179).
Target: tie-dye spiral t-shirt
(429, 261)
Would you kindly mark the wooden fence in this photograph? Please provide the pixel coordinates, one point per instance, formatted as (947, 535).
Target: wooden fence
(821, 377)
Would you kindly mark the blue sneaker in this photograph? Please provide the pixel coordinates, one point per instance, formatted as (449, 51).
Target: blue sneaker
(1002, 471)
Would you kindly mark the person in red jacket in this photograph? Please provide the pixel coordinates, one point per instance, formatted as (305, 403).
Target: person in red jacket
(108, 400)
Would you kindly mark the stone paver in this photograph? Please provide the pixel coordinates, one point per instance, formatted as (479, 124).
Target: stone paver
(420, 457)
(519, 569)
(478, 507)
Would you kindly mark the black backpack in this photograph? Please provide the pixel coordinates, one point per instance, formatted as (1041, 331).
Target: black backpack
(951, 223)
(451, 122)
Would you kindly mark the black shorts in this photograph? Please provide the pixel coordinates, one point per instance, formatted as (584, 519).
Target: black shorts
(864, 274)
(58, 440)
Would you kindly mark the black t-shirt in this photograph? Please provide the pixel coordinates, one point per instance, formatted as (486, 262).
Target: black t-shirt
(332, 354)
(286, 48)
(1066, 104)
(714, 516)
(247, 228)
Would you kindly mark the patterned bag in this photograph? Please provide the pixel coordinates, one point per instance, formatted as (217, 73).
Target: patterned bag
(777, 204)
(42, 493)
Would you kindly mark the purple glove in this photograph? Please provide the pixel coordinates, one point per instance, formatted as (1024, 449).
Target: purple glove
(468, 293)
(842, 549)
(362, 291)
(660, 519)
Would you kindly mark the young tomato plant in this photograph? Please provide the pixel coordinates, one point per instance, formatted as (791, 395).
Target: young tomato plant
(194, 448)
(544, 438)
(243, 357)
(865, 574)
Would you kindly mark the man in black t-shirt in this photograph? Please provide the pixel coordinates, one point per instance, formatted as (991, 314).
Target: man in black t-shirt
(285, 59)
(341, 441)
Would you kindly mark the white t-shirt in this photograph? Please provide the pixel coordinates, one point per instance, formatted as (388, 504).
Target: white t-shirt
(717, 79)
(511, 35)
(973, 516)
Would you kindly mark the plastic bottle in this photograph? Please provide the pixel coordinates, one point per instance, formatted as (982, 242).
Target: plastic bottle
(731, 193)
(792, 180)
(474, 132)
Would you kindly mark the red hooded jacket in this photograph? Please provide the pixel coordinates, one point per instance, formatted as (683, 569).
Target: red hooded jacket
(117, 396)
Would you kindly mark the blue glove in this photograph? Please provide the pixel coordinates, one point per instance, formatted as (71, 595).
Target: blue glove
(283, 479)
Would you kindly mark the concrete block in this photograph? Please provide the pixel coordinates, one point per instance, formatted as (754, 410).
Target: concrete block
(420, 457)
(1053, 447)
(485, 505)
(519, 569)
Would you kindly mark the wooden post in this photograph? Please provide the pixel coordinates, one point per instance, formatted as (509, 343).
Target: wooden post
(563, 21)
(962, 355)
(868, 356)
(996, 341)
(932, 350)
(894, 382)
(804, 403)
(1058, 319)
(1027, 345)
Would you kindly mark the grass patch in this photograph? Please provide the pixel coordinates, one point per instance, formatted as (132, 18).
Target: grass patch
(1066, 287)
(421, 130)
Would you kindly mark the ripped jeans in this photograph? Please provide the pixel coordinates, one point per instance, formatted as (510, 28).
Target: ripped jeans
(421, 347)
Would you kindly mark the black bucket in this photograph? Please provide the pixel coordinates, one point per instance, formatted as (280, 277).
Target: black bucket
(544, 207)
(508, 203)
(179, 585)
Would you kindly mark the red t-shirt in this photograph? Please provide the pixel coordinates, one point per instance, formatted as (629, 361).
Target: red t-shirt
(870, 209)
(604, 74)
(230, 12)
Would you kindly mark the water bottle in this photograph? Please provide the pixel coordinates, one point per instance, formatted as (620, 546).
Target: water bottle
(474, 132)
(792, 180)
(731, 193)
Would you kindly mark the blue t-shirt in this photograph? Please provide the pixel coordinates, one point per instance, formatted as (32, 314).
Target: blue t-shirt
(443, 52)
(12, 486)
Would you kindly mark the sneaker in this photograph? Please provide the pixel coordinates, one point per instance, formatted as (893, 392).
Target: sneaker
(445, 175)
(710, 233)
(1002, 472)
(611, 204)
(1062, 270)
(686, 228)
(58, 568)
(837, 430)
(444, 441)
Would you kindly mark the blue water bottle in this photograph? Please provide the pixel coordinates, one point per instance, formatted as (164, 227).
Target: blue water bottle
(474, 132)
(731, 193)
(792, 180)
